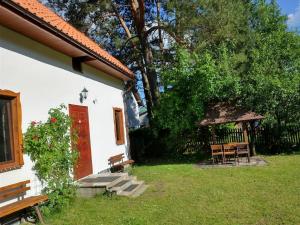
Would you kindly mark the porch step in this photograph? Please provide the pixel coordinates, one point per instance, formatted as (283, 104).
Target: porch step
(101, 180)
(95, 184)
(120, 186)
(134, 190)
(118, 183)
(121, 183)
(140, 191)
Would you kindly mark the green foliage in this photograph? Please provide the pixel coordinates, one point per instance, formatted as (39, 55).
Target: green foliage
(242, 52)
(49, 146)
(272, 86)
(192, 82)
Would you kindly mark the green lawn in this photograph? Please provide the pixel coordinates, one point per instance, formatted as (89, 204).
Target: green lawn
(184, 194)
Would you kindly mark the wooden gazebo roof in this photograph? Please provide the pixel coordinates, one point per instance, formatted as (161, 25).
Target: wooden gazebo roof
(221, 113)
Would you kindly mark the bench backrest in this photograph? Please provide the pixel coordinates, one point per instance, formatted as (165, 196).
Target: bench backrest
(116, 158)
(14, 190)
(215, 149)
(243, 146)
(229, 147)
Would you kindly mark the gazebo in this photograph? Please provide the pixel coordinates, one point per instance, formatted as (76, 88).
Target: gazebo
(222, 113)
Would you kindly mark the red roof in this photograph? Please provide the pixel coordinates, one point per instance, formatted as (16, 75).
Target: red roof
(45, 14)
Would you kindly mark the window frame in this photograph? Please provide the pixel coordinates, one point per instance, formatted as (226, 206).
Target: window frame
(17, 139)
(119, 112)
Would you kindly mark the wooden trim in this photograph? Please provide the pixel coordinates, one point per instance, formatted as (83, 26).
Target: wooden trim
(120, 131)
(17, 138)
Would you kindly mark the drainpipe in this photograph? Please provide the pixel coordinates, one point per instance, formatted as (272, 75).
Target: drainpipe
(124, 93)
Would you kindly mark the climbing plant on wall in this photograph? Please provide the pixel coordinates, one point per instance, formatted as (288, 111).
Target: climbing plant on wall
(49, 145)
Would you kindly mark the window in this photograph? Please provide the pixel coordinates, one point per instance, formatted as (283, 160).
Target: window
(119, 128)
(11, 155)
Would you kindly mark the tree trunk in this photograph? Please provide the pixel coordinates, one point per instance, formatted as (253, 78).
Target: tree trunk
(161, 45)
(143, 70)
(138, 14)
(150, 71)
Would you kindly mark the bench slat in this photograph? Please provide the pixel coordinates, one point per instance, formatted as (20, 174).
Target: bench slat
(116, 158)
(13, 186)
(117, 162)
(22, 204)
(14, 193)
(124, 163)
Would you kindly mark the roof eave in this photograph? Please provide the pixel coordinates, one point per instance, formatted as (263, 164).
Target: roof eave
(40, 23)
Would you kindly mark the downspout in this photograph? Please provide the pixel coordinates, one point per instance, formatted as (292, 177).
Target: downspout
(124, 93)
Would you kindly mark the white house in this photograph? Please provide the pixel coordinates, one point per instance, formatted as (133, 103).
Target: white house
(45, 62)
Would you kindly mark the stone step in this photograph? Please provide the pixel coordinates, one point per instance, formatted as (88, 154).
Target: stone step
(95, 184)
(112, 184)
(130, 190)
(101, 180)
(119, 183)
(121, 186)
(140, 191)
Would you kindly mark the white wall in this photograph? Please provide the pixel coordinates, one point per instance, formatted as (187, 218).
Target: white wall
(45, 79)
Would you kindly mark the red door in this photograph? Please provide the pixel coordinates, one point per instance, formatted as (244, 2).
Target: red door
(80, 117)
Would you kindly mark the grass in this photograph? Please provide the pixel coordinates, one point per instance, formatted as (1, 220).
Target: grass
(184, 194)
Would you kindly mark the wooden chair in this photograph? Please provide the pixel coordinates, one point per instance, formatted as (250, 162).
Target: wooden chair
(217, 152)
(18, 190)
(117, 162)
(230, 151)
(243, 149)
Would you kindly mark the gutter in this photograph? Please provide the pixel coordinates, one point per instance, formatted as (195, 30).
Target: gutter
(45, 26)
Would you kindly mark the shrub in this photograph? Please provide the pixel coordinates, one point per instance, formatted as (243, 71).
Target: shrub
(49, 146)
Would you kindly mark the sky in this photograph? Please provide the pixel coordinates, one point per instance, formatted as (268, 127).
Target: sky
(291, 8)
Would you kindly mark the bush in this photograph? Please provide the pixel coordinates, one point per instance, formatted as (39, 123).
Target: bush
(152, 144)
(49, 146)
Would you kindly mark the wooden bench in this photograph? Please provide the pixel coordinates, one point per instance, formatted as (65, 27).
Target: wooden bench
(18, 190)
(117, 162)
(243, 149)
(217, 153)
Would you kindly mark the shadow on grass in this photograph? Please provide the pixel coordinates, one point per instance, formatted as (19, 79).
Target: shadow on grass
(190, 158)
(194, 158)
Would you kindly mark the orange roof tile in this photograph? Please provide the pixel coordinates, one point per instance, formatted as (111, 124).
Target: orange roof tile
(42, 12)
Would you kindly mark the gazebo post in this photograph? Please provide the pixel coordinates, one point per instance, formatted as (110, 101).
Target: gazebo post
(244, 127)
(246, 138)
(214, 139)
(253, 138)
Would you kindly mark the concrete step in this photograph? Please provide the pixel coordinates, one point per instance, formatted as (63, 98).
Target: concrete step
(101, 180)
(131, 189)
(92, 185)
(140, 190)
(121, 186)
(119, 183)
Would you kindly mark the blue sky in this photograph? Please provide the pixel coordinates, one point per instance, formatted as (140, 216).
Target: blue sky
(292, 9)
